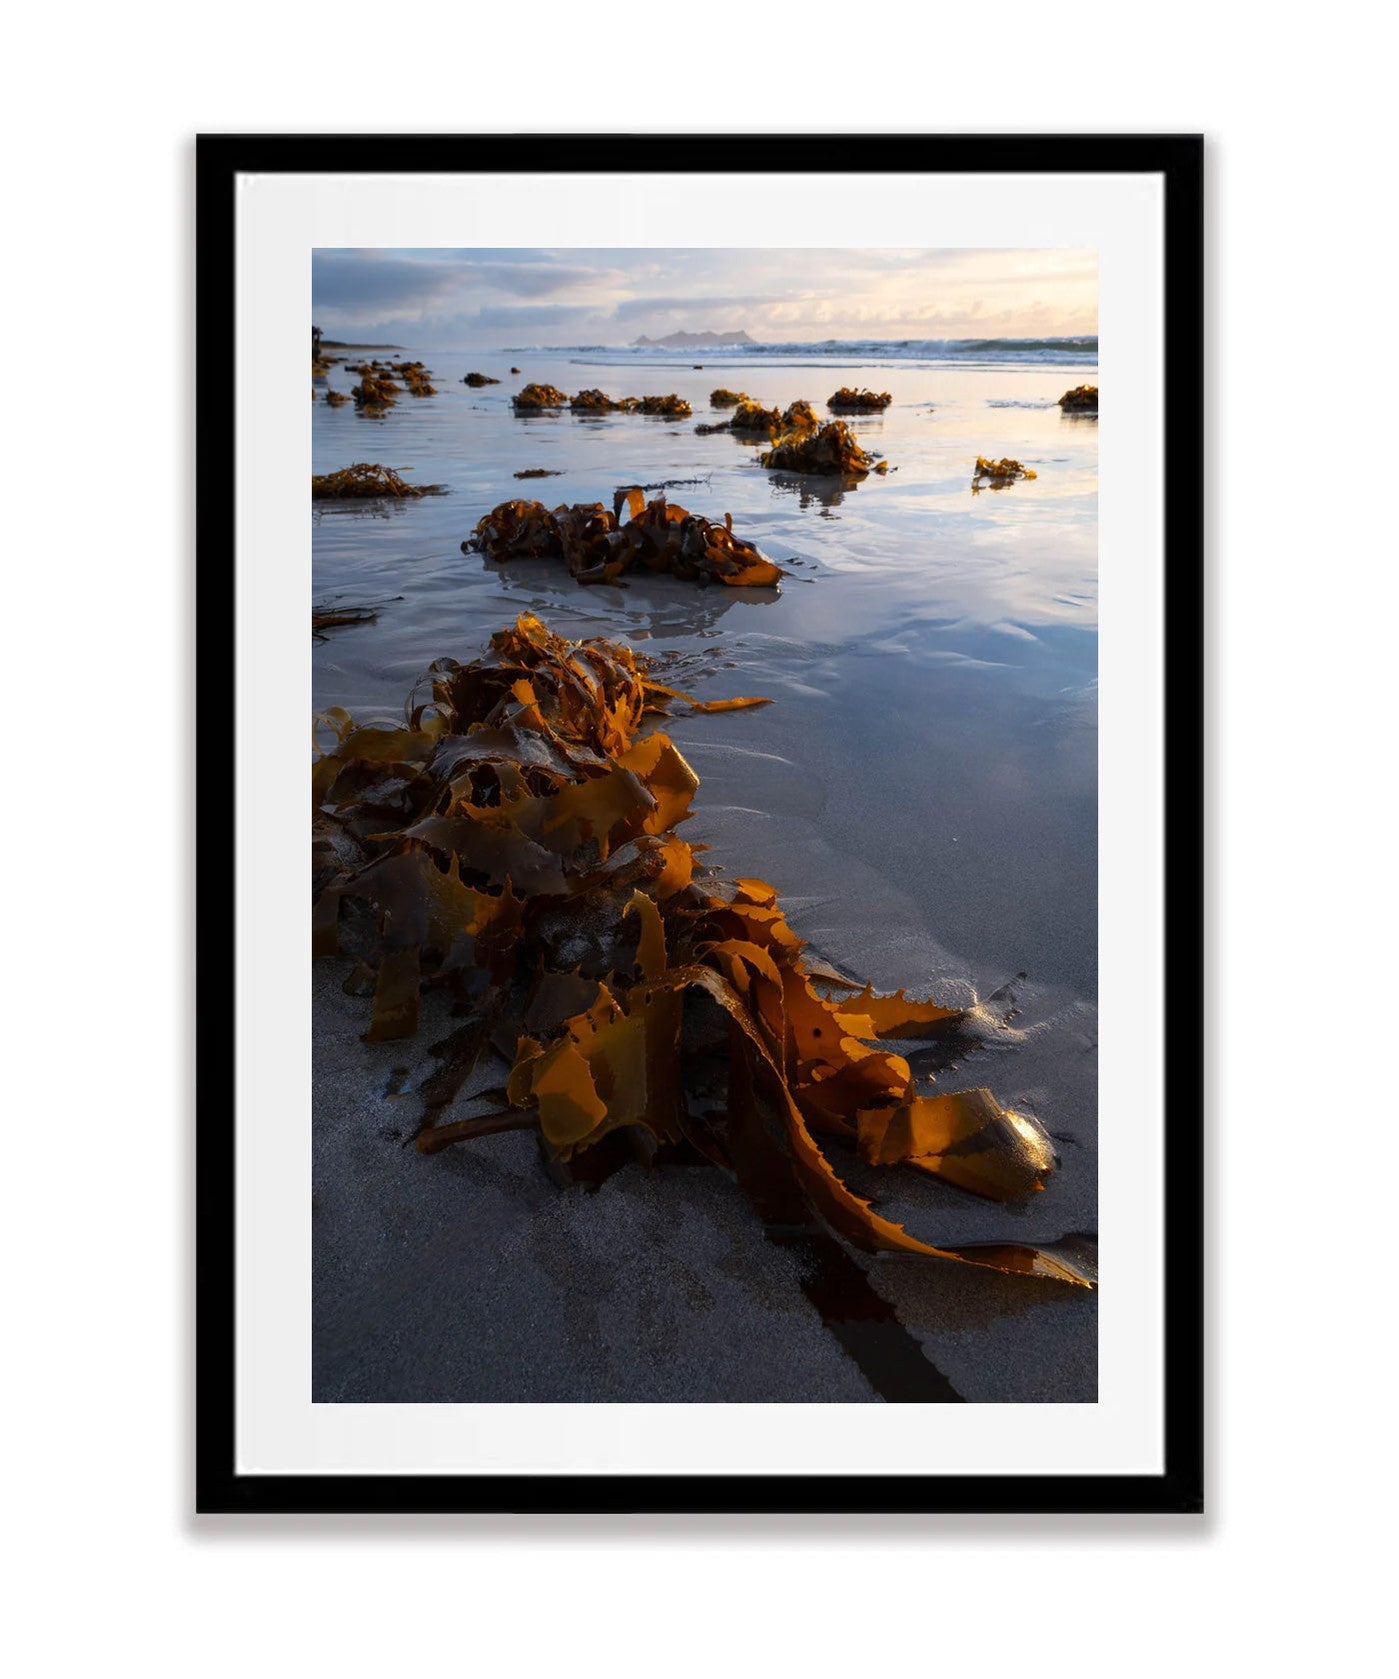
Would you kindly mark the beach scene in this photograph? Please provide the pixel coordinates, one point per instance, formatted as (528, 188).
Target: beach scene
(704, 826)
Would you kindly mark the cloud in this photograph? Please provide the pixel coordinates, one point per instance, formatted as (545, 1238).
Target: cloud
(495, 297)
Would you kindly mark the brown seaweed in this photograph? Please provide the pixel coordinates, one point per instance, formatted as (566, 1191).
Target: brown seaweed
(673, 406)
(996, 475)
(363, 481)
(708, 431)
(752, 416)
(598, 402)
(331, 615)
(477, 380)
(598, 548)
(830, 450)
(336, 399)
(538, 472)
(515, 844)
(727, 399)
(374, 393)
(1082, 399)
(536, 397)
(848, 400)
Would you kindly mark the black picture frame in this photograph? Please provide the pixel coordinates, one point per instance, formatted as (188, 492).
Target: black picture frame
(1179, 161)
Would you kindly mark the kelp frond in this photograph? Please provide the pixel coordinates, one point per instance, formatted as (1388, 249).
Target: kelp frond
(727, 399)
(477, 380)
(516, 843)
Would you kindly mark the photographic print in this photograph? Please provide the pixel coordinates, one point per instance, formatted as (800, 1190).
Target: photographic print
(732, 980)
(704, 653)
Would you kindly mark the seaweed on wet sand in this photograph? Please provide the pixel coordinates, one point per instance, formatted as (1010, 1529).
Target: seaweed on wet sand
(477, 380)
(673, 406)
(752, 416)
(1082, 399)
(598, 402)
(336, 399)
(599, 548)
(727, 399)
(538, 472)
(364, 481)
(536, 397)
(331, 615)
(514, 844)
(374, 394)
(997, 474)
(708, 431)
(848, 400)
(830, 449)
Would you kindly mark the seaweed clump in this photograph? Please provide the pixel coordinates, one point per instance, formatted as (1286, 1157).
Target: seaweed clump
(752, 416)
(1082, 399)
(476, 380)
(336, 399)
(997, 474)
(708, 431)
(830, 450)
(846, 400)
(538, 472)
(727, 399)
(515, 842)
(536, 397)
(595, 401)
(362, 482)
(374, 393)
(598, 548)
(674, 406)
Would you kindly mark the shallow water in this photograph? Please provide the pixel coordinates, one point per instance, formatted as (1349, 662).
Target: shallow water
(924, 792)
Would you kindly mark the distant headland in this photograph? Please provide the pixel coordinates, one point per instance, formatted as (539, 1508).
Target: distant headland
(690, 341)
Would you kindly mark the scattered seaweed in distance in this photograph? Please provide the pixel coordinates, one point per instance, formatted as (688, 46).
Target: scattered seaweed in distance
(858, 402)
(363, 481)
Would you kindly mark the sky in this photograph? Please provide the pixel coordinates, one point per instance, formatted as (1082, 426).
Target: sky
(445, 299)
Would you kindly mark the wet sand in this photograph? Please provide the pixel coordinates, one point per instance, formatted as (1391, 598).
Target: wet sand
(922, 794)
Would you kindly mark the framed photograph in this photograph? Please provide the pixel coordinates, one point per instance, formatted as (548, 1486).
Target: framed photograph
(737, 1043)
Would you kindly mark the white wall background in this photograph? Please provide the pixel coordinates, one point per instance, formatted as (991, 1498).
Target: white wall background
(1284, 1576)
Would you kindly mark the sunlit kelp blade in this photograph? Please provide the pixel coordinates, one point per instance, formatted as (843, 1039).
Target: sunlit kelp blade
(515, 842)
(598, 547)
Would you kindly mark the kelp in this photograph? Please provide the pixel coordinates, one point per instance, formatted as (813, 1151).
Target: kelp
(515, 844)
(336, 399)
(1082, 399)
(374, 393)
(598, 547)
(708, 431)
(332, 615)
(363, 481)
(477, 380)
(535, 397)
(848, 400)
(672, 406)
(514, 370)
(997, 474)
(598, 402)
(538, 472)
(752, 416)
(830, 450)
(727, 399)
